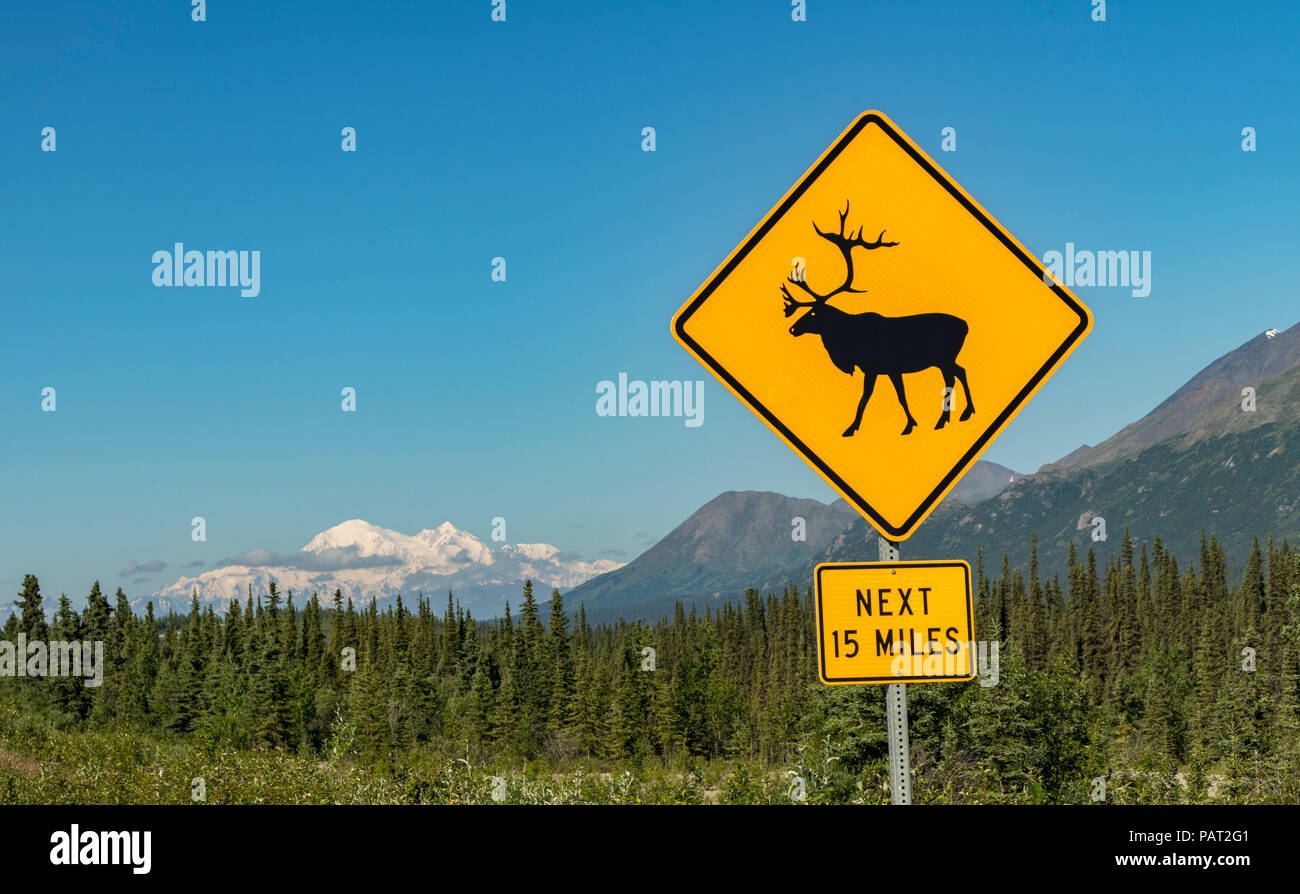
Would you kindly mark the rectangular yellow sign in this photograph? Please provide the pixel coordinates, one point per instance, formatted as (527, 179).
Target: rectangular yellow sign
(894, 622)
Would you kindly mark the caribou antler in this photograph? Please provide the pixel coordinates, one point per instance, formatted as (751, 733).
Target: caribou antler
(845, 243)
(791, 305)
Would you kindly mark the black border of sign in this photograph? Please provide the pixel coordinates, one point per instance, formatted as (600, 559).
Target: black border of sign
(848, 566)
(907, 528)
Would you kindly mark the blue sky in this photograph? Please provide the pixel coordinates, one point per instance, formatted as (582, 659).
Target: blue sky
(523, 140)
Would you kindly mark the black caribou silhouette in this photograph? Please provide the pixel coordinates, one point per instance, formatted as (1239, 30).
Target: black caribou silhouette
(878, 345)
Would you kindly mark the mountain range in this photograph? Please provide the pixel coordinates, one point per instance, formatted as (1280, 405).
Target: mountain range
(1219, 456)
(1209, 405)
(1201, 461)
(364, 560)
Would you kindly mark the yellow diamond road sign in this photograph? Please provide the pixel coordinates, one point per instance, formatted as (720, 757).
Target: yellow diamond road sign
(894, 622)
(882, 324)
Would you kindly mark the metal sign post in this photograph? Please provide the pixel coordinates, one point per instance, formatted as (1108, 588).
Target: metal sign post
(900, 769)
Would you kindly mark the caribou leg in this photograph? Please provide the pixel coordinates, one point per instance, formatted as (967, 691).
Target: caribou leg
(897, 379)
(948, 395)
(867, 387)
(970, 406)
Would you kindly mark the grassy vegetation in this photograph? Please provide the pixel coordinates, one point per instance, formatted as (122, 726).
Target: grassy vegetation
(1133, 675)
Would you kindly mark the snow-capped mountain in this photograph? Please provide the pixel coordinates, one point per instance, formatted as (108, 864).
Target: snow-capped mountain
(364, 560)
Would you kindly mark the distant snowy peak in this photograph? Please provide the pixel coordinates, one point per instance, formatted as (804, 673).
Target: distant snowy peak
(537, 551)
(367, 561)
(447, 539)
(445, 546)
(365, 538)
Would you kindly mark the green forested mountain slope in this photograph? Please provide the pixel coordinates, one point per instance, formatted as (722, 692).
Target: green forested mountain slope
(1219, 469)
(1237, 484)
(1196, 411)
